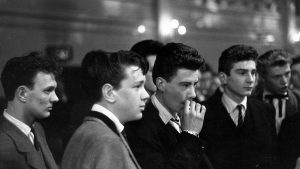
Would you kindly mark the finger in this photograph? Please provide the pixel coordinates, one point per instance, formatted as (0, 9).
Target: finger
(198, 108)
(192, 108)
(187, 106)
(203, 111)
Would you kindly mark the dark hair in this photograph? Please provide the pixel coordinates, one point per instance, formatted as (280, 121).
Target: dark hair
(275, 57)
(296, 60)
(234, 54)
(147, 47)
(20, 71)
(174, 56)
(99, 67)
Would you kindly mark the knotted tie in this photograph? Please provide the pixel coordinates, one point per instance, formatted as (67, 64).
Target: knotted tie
(279, 97)
(240, 115)
(176, 123)
(33, 138)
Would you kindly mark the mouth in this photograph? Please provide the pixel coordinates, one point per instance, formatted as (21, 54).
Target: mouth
(248, 88)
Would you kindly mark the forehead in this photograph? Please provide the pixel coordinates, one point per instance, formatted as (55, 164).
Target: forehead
(133, 73)
(44, 80)
(245, 65)
(278, 70)
(186, 75)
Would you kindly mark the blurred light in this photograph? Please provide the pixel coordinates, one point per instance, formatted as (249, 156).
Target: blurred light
(270, 38)
(165, 27)
(141, 29)
(181, 30)
(174, 23)
(296, 37)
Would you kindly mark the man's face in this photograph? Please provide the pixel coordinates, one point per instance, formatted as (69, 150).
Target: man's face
(180, 88)
(131, 97)
(149, 85)
(277, 79)
(40, 99)
(295, 77)
(241, 80)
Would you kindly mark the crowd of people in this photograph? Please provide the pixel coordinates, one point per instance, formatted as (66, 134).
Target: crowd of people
(155, 106)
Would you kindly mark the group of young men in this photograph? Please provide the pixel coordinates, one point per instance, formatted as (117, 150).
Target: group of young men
(247, 125)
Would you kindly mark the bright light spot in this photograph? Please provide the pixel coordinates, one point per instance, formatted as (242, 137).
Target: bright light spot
(296, 37)
(181, 30)
(174, 23)
(165, 27)
(141, 29)
(270, 38)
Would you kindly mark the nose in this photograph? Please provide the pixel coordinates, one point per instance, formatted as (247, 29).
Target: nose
(251, 78)
(284, 80)
(192, 92)
(144, 94)
(54, 98)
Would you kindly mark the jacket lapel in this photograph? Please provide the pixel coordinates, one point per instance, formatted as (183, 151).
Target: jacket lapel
(48, 158)
(112, 126)
(23, 144)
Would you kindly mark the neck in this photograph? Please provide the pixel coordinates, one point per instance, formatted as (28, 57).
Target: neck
(17, 111)
(160, 98)
(233, 96)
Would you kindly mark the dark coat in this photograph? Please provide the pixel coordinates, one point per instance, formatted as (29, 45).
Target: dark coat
(157, 145)
(289, 141)
(254, 145)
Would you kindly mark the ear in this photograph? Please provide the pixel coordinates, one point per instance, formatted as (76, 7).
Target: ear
(223, 78)
(21, 93)
(108, 93)
(161, 84)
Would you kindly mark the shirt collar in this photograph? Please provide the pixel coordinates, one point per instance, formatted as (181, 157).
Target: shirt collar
(110, 115)
(230, 104)
(19, 124)
(164, 114)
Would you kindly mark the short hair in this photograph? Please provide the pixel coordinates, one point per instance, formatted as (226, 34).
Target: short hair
(296, 60)
(147, 47)
(100, 67)
(174, 56)
(234, 54)
(272, 58)
(20, 71)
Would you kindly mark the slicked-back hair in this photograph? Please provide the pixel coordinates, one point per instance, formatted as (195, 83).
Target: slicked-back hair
(234, 54)
(147, 47)
(19, 71)
(100, 67)
(174, 56)
(272, 58)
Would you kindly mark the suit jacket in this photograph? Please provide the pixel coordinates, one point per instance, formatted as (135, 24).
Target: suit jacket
(289, 141)
(292, 104)
(17, 151)
(252, 146)
(159, 146)
(96, 144)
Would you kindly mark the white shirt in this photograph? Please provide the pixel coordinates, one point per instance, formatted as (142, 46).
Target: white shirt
(110, 115)
(231, 107)
(20, 125)
(164, 114)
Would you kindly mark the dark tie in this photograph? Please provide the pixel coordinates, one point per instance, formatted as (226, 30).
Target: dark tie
(176, 120)
(240, 115)
(35, 140)
(279, 97)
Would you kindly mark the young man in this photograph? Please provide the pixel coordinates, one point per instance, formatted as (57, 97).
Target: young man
(116, 84)
(274, 74)
(29, 84)
(161, 139)
(148, 49)
(237, 129)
